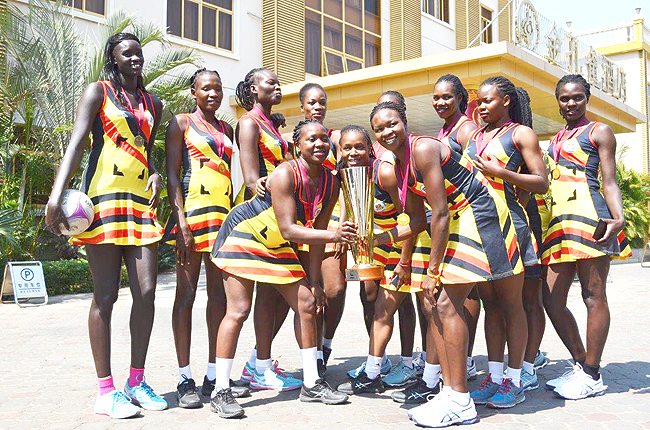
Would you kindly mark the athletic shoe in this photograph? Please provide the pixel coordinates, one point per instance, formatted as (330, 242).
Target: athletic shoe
(188, 395)
(483, 393)
(326, 354)
(225, 405)
(362, 384)
(415, 393)
(274, 378)
(528, 381)
(143, 396)
(322, 392)
(557, 382)
(540, 361)
(418, 363)
(116, 405)
(471, 369)
(237, 390)
(386, 367)
(581, 386)
(400, 375)
(507, 396)
(322, 368)
(247, 373)
(445, 412)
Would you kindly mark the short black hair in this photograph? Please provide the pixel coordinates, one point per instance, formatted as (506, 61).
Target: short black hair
(200, 72)
(458, 89)
(401, 111)
(307, 87)
(573, 79)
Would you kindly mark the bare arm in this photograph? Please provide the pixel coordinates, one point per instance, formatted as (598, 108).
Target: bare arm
(155, 181)
(465, 133)
(248, 134)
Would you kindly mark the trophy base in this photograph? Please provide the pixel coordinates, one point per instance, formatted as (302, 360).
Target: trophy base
(366, 273)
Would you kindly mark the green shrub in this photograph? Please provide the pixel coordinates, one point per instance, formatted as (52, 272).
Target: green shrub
(71, 277)
(635, 191)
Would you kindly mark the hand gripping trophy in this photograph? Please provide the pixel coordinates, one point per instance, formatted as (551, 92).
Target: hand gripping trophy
(359, 195)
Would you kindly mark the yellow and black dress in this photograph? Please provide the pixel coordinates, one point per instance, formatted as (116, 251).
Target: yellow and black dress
(272, 150)
(451, 138)
(576, 202)
(504, 148)
(207, 189)
(250, 245)
(330, 164)
(482, 243)
(117, 174)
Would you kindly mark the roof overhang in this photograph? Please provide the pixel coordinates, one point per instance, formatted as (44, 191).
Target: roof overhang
(352, 95)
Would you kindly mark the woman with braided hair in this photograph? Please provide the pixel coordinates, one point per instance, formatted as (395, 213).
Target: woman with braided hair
(507, 152)
(256, 244)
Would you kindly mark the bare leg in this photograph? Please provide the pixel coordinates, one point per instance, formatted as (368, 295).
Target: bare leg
(105, 262)
(509, 291)
(495, 330)
(593, 278)
(267, 304)
(302, 301)
(239, 298)
(333, 270)
(187, 278)
(216, 308)
(386, 305)
(422, 319)
(472, 312)
(407, 317)
(142, 266)
(368, 294)
(534, 316)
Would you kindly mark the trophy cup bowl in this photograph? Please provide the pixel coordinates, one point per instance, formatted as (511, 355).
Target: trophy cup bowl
(359, 195)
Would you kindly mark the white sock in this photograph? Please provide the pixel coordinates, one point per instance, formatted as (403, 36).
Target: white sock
(262, 366)
(424, 355)
(373, 366)
(327, 342)
(408, 361)
(446, 389)
(184, 371)
(514, 375)
(319, 355)
(223, 366)
(431, 375)
(212, 371)
(309, 367)
(458, 397)
(252, 358)
(496, 371)
(529, 368)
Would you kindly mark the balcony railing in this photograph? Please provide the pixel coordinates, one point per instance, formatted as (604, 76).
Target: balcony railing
(607, 36)
(544, 37)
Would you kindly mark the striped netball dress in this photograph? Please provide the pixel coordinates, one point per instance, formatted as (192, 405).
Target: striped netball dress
(272, 150)
(451, 138)
(504, 148)
(207, 189)
(482, 243)
(117, 174)
(330, 164)
(576, 201)
(250, 245)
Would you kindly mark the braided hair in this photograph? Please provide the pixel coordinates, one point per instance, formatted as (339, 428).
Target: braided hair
(298, 129)
(458, 89)
(573, 79)
(352, 128)
(396, 94)
(519, 109)
(303, 91)
(110, 70)
(243, 94)
(400, 109)
(198, 73)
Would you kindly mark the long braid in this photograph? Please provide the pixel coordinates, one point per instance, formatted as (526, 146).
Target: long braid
(110, 70)
(243, 94)
(401, 111)
(458, 89)
(519, 110)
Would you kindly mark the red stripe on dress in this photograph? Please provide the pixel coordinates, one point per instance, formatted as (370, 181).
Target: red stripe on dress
(454, 253)
(258, 252)
(266, 271)
(196, 153)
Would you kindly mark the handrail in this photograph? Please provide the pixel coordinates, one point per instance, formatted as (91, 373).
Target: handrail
(478, 37)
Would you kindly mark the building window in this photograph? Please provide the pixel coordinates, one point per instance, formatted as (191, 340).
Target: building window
(205, 21)
(437, 8)
(93, 6)
(486, 19)
(341, 35)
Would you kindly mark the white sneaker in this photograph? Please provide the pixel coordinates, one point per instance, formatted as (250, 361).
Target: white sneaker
(116, 405)
(557, 382)
(424, 408)
(446, 412)
(418, 362)
(471, 369)
(580, 386)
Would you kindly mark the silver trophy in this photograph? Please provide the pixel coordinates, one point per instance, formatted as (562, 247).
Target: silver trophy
(359, 195)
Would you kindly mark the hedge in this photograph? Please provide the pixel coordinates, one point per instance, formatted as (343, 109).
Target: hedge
(71, 277)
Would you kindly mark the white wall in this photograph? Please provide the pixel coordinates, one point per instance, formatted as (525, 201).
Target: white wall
(437, 35)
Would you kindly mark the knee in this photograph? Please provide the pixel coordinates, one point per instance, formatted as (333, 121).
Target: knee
(238, 312)
(105, 302)
(445, 309)
(185, 297)
(306, 305)
(593, 300)
(337, 293)
(406, 308)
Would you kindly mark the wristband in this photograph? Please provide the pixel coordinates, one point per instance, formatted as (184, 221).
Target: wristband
(390, 235)
(404, 264)
(433, 275)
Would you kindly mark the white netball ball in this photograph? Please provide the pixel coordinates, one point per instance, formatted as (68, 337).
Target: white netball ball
(79, 211)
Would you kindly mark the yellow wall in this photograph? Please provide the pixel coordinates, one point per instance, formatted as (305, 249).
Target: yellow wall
(283, 40)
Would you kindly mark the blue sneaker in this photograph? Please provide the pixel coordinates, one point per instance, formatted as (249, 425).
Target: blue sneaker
(274, 378)
(483, 393)
(386, 367)
(507, 396)
(540, 360)
(471, 369)
(400, 375)
(247, 373)
(116, 405)
(528, 381)
(144, 396)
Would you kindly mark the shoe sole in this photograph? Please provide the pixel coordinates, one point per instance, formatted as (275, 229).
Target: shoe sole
(596, 394)
(197, 405)
(497, 406)
(472, 377)
(409, 402)
(532, 387)
(117, 417)
(266, 387)
(457, 423)
(147, 408)
(308, 399)
(224, 415)
(543, 365)
(401, 384)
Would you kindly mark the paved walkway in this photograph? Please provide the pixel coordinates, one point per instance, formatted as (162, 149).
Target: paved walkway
(48, 379)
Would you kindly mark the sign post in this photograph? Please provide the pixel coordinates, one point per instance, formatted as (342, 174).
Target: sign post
(25, 281)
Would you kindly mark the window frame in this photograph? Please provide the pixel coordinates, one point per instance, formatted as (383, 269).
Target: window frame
(198, 44)
(444, 6)
(488, 36)
(84, 11)
(343, 54)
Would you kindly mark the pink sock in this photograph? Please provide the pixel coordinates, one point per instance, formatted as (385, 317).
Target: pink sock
(135, 376)
(105, 385)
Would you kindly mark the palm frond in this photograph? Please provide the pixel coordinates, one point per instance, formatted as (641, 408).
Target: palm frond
(9, 219)
(168, 60)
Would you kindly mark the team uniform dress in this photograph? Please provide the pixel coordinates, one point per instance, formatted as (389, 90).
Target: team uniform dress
(333, 224)
(482, 243)
(576, 202)
(504, 148)
(250, 244)
(451, 139)
(117, 174)
(207, 189)
(272, 150)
